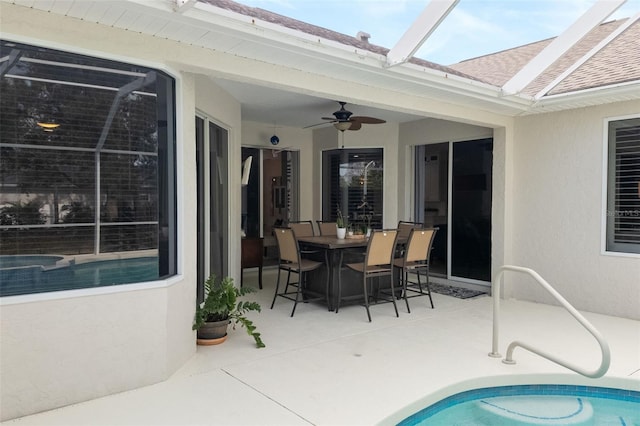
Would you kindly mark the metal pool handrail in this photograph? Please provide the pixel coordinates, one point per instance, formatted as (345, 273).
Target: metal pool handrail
(495, 291)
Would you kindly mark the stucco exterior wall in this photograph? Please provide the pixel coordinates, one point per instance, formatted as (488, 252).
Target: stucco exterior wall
(558, 210)
(66, 347)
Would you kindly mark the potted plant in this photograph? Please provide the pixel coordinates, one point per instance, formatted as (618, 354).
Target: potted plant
(221, 307)
(341, 223)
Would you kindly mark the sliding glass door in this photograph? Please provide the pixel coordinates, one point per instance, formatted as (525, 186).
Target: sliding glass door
(471, 210)
(453, 193)
(213, 191)
(432, 199)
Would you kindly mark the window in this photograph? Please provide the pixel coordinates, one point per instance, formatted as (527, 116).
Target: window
(353, 181)
(87, 181)
(623, 186)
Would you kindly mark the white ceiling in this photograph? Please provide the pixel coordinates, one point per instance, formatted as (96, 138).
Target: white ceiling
(282, 108)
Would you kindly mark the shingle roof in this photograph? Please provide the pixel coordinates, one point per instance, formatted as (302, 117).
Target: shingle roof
(274, 18)
(617, 62)
(497, 68)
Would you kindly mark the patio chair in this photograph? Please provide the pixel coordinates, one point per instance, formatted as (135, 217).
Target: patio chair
(415, 260)
(327, 228)
(378, 263)
(405, 227)
(292, 262)
(304, 228)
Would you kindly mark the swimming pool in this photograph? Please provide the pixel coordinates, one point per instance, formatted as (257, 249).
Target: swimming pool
(19, 261)
(533, 404)
(40, 274)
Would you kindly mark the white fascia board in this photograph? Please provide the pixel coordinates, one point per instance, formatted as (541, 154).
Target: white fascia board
(621, 92)
(426, 23)
(587, 56)
(463, 86)
(561, 44)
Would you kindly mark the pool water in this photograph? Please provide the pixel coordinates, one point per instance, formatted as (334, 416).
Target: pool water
(533, 405)
(19, 261)
(113, 272)
(39, 277)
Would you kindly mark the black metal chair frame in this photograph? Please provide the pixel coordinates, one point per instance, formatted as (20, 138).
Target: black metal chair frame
(292, 262)
(375, 265)
(415, 259)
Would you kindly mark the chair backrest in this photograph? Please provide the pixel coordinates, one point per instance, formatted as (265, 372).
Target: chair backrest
(303, 228)
(327, 228)
(381, 247)
(419, 244)
(287, 244)
(404, 228)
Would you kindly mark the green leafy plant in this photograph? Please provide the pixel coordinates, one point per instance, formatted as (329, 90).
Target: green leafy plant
(221, 303)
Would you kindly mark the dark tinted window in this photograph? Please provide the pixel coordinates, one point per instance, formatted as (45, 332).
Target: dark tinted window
(87, 181)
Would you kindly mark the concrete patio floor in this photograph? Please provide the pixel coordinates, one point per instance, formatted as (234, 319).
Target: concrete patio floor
(323, 368)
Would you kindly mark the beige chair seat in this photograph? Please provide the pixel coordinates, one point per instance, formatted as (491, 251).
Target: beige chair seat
(291, 262)
(415, 259)
(305, 265)
(378, 262)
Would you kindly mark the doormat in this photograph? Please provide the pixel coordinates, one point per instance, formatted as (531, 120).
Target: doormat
(459, 292)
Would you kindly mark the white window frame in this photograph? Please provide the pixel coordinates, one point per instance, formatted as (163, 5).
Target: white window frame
(605, 188)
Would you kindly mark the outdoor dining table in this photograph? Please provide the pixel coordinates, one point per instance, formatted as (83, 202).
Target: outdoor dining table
(331, 250)
(336, 252)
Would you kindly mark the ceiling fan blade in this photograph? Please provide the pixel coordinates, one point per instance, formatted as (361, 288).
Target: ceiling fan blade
(367, 120)
(355, 125)
(317, 124)
(329, 118)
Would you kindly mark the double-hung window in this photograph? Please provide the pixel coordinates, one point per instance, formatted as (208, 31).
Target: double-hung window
(623, 186)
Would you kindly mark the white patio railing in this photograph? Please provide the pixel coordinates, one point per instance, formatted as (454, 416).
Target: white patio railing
(495, 291)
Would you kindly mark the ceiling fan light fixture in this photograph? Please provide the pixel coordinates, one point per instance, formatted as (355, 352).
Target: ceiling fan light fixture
(342, 125)
(48, 126)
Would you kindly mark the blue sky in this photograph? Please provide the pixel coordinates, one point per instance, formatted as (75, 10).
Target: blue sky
(473, 28)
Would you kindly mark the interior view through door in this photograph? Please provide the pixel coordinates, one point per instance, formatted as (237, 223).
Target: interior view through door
(453, 193)
(212, 188)
(270, 197)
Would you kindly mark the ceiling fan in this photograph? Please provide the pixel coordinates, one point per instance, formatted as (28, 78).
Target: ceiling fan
(345, 120)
